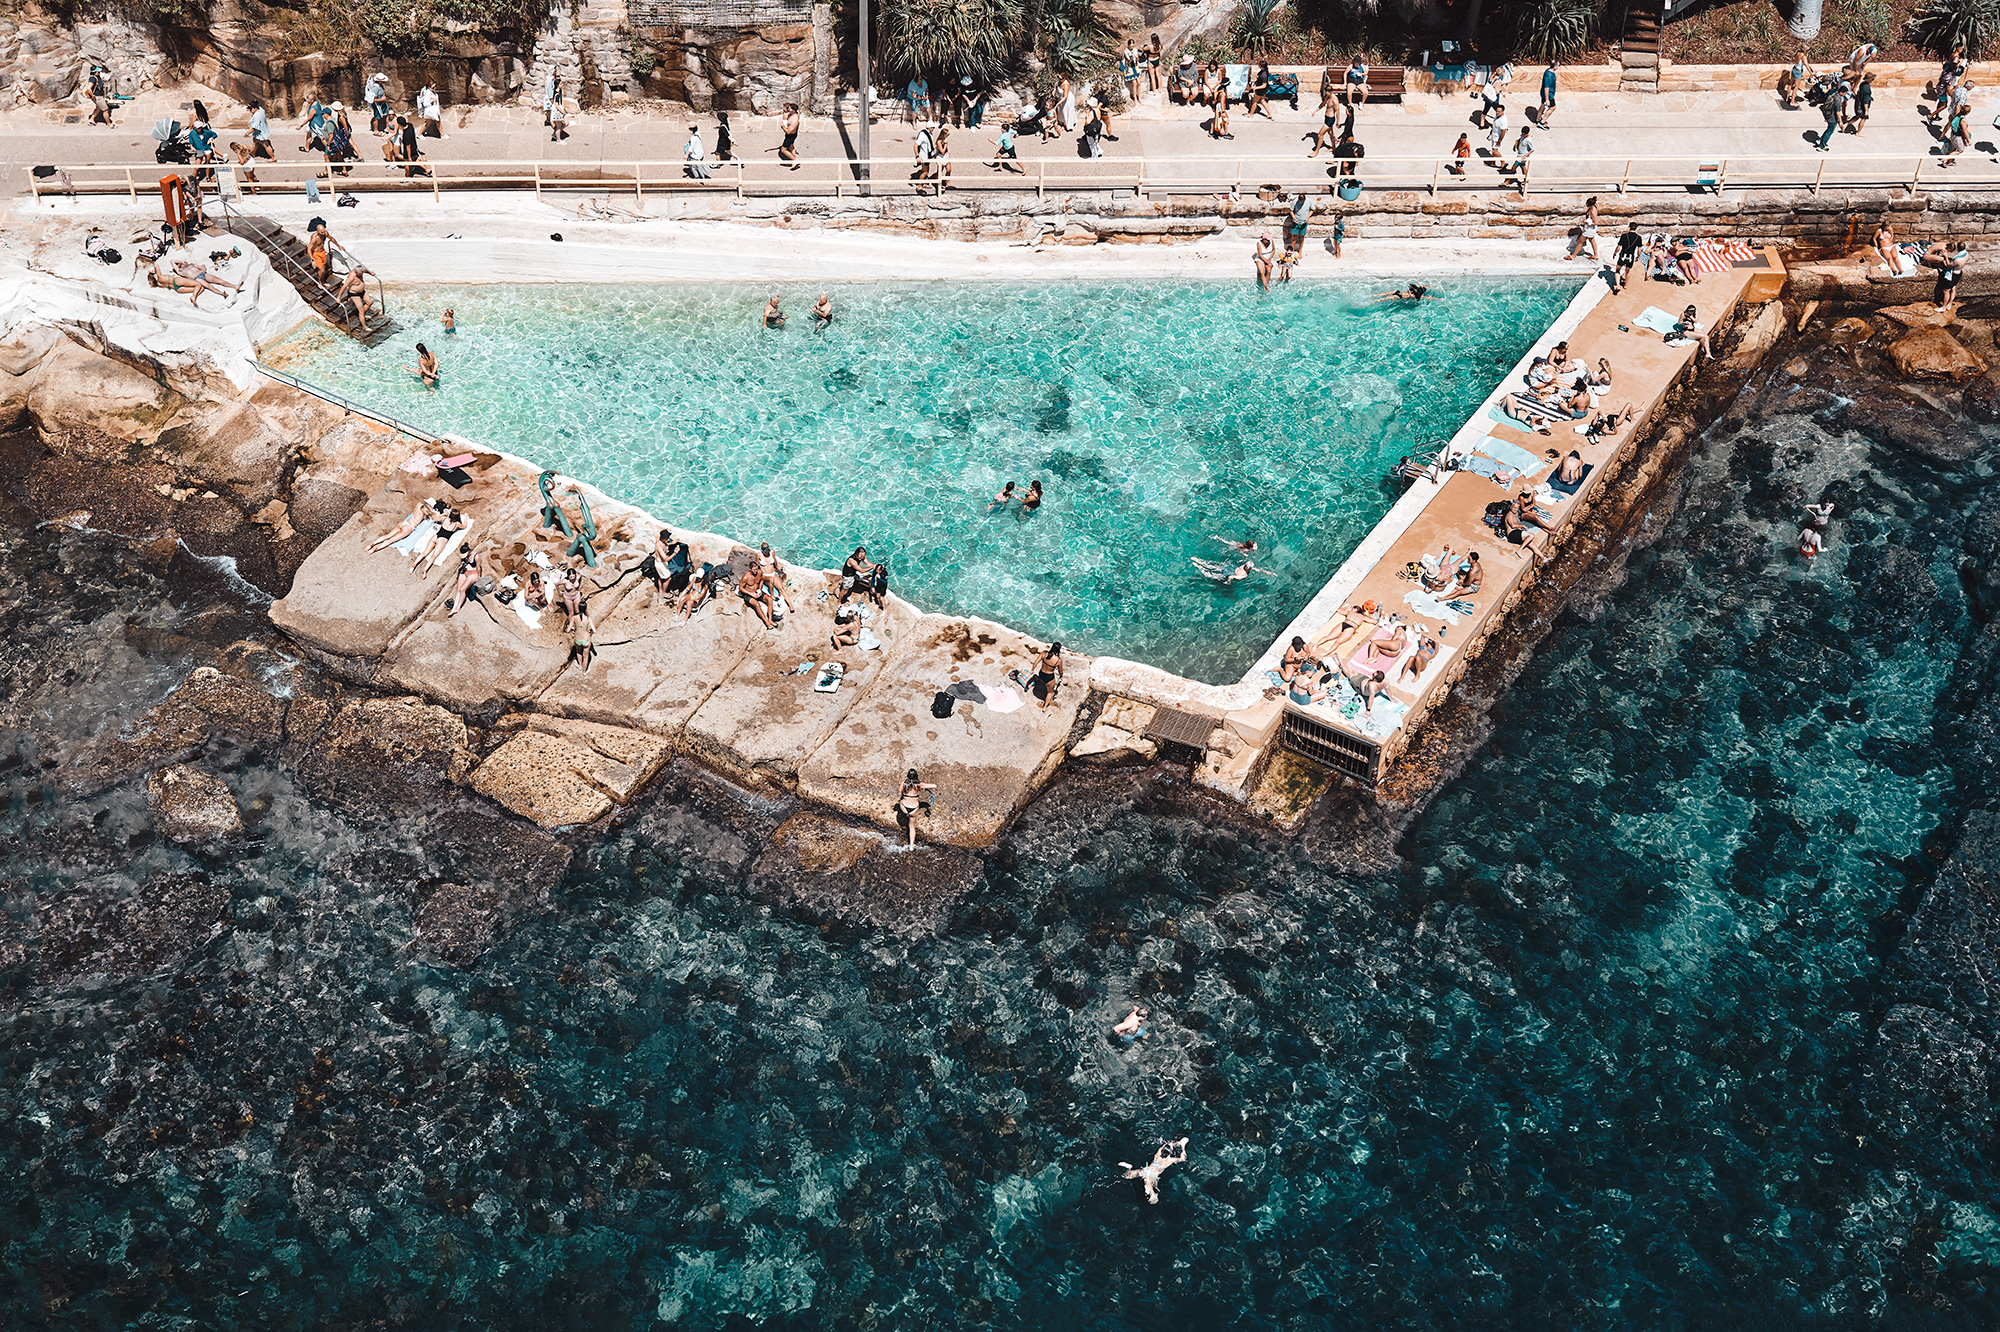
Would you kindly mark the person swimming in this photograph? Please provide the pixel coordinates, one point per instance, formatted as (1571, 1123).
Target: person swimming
(822, 313)
(450, 320)
(1133, 1028)
(1004, 498)
(1225, 574)
(1148, 1175)
(1413, 292)
(426, 367)
(1033, 499)
(773, 316)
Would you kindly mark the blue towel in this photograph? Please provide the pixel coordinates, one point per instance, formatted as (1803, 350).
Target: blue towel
(1513, 455)
(1570, 488)
(416, 540)
(1658, 320)
(1480, 466)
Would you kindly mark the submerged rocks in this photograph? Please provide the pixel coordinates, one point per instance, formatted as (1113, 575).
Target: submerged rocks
(1950, 959)
(189, 805)
(387, 754)
(1897, 417)
(1928, 1081)
(1932, 353)
(489, 874)
(109, 926)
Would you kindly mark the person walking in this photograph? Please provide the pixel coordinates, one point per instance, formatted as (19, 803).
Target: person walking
(788, 125)
(1793, 82)
(1548, 94)
(376, 94)
(1301, 221)
(723, 142)
(1864, 101)
(558, 117)
(1461, 153)
(915, 797)
(1496, 133)
(1066, 103)
(1629, 246)
(1956, 137)
(1524, 148)
(1831, 108)
(1005, 157)
(260, 132)
(1586, 235)
(694, 155)
(551, 97)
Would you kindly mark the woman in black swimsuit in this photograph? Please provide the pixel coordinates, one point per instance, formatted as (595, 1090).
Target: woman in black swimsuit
(878, 585)
(854, 574)
(1033, 499)
(1048, 674)
(913, 798)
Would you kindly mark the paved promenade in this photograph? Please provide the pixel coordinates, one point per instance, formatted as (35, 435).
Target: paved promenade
(1735, 124)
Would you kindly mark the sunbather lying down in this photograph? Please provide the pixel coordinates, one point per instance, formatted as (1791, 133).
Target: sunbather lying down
(184, 275)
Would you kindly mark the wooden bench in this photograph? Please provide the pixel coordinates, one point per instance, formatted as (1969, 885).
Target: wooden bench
(1385, 83)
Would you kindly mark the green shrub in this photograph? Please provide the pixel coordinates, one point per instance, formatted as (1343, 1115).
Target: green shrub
(1942, 25)
(950, 38)
(1552, 29)
(1258, 29)
(644, 62)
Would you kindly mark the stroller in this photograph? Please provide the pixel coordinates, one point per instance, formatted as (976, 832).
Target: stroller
(173, 145)
(1820, 89)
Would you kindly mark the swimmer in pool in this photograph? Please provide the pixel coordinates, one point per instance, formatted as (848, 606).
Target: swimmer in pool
(1004, 498)
(1033, 499)
(450, 320)
(1246, 550)
(773, 316)
(1412, 293)
(1133, 1028)
(822, 314)
(1217, 572)
(426, 367)
(1169, 1154)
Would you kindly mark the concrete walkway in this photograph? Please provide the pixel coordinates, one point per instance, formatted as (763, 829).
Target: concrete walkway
(1739, 124)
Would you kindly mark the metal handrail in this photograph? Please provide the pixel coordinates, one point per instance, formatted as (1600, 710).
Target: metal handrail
(346, 404)
(838, 176)
(275, 252)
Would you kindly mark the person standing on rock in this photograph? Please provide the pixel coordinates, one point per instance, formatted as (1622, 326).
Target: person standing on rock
(917, 796)
(1949, 257)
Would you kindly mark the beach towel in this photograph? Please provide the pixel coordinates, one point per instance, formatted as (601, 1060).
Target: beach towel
(1527, 407)
(1737, 252)
(829, 677)
(1483, 466)
(1001, 699)
(1423, 603)
(416, 540)
(1656, 319)
(417, 464)
(529, 615)
(1708, 258)
(868, 641)
(1561, 488)
(1513, 455)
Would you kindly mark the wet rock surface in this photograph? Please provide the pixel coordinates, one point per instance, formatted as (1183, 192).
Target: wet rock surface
(389, 755)
(190, 805)
(112, 927)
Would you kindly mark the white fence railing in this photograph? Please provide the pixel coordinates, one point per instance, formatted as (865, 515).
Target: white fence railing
(842, 177)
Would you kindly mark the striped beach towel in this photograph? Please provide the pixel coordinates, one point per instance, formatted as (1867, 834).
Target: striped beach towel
(1738, 252)
(1708, 258)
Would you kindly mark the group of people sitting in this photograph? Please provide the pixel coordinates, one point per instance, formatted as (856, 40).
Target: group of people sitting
(1561, 388)
(1383, 638)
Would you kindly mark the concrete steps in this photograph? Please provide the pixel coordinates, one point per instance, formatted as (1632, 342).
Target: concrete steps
(1639, 47)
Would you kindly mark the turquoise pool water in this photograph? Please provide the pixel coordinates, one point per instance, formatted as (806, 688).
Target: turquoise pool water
(1157, 415)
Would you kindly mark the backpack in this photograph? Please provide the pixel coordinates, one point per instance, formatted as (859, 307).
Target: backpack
(942, 705)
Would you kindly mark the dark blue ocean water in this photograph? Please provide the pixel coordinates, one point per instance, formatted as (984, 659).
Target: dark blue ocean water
(1587, 1058)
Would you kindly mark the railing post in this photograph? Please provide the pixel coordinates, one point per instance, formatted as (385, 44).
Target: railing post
(1041, 176)
(739, 178)
(1915, 174)
(131, 185)
(1625, 181)
(638, 181)
(538, 182)
(1437, 168)
(1819, 175)
(436, 187)
(1721, 177)
(1139, 190)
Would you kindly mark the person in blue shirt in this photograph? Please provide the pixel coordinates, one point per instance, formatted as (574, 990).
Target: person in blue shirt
(202, 139)
(919, 95)
(260, 131)
(1548, 94)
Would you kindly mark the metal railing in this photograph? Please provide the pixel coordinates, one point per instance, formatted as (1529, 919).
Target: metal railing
(346, 404)
(263, 235)
(1433, 174)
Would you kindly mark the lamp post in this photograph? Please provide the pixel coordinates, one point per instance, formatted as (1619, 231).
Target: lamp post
(866, 79)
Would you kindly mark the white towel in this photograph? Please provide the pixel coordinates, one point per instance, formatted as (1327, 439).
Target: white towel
(1423, 603)
(869, 642)
(457, 538)
(529, 615)
(999, 698)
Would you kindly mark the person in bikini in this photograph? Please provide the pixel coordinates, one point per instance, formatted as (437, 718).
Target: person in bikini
(448, 527)
(1420, 660)
(426, 367)
(913, 798)
(1354, 620)
(432, 509)
(582, 641)
(1386, 648)
(1298, 657)
(1048, 676)
(1132, 1028)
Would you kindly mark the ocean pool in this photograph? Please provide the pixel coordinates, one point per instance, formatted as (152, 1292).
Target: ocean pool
(1158, 415)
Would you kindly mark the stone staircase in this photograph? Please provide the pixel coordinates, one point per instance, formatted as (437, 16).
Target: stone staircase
(287, 254)
(1639, 47)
